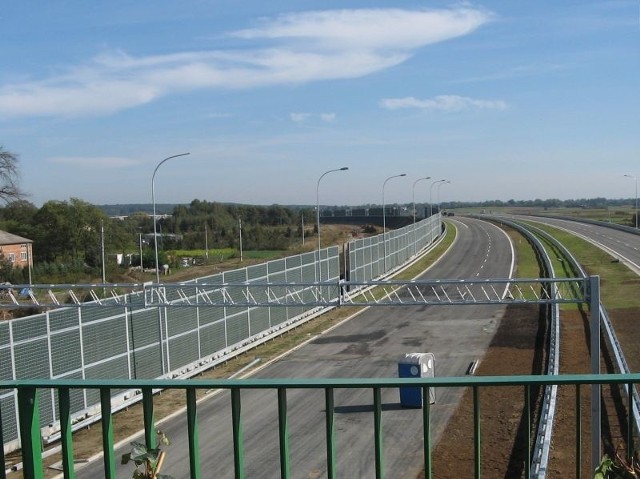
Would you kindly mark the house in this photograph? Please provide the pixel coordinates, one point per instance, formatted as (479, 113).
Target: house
(16, 250)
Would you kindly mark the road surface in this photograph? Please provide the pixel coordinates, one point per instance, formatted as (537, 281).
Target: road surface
(367, 345)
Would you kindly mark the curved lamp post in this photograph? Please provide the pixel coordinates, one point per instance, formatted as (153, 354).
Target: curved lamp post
(636, 180)
(438, 192)
(413, 201)
(413, 195)
(153, 200)
(431, 194)
(384, 220)
(344, 168)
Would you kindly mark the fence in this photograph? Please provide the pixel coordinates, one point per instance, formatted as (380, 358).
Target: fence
(29, 393)
(128, 341)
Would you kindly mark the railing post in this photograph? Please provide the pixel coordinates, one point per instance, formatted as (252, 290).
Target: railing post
(66, 433)
(476, 431)
(596, 413)
(192, 431)
(283, 431)
(630, 420)
(3, 474)
(426, 430)
(330, 433)
(377, 426)
(578, 432)
(150, 434)
(238, 446)
(107, 434)
(527, 412)
(31, 442)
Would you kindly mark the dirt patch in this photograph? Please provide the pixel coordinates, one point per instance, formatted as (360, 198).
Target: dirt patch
(516, 350)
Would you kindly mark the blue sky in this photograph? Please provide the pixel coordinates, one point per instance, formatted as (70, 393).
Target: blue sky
(506, 99)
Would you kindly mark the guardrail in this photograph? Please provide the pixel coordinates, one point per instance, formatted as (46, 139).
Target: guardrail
(605, 321)
(539, 463)
(28, 410)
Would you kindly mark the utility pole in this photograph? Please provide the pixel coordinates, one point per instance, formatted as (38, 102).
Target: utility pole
(240, 231)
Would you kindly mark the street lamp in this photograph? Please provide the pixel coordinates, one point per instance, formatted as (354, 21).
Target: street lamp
(431, 194)
(153, 200)
(384, 220)
(413, 200)
(438, 193)
(344, 168)
(636, 180)
(413, 195)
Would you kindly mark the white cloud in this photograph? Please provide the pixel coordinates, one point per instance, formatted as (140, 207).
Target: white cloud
(294, 48)
(367, 29)
(105, 162)
(448, 103)
(302, 117)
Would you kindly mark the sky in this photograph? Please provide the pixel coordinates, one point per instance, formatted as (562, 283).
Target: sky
(504, 99)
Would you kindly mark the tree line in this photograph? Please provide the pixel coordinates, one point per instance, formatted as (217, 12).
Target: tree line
(69, 235)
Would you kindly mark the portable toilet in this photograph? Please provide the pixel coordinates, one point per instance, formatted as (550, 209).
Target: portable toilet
(416, 365)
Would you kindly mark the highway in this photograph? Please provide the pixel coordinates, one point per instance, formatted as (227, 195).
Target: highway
(366, 345)
(622, 245)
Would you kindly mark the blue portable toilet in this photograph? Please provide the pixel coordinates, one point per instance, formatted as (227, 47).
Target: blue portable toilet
(416, 365)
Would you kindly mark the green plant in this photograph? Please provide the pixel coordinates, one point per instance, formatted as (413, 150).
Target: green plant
(148, 461)
(603, 469)
(618, 468)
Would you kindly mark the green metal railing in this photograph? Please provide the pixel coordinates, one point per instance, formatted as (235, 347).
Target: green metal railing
(30, 432)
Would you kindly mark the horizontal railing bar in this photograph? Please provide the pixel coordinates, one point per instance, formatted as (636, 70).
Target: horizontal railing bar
(320, 383)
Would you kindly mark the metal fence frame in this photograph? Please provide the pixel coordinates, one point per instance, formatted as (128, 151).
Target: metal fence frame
(124, 338)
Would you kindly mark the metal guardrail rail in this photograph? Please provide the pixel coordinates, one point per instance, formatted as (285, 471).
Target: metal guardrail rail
(605, 321)
(539, 463)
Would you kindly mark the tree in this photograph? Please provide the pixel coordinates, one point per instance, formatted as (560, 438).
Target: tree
(9, 176)
(17, 218)
(69, 231)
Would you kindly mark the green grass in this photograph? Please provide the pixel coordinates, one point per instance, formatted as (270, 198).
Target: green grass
(262, 254)
(623, 215)
(618, 284)
(526, 260)
(213, 253)
(220, 254)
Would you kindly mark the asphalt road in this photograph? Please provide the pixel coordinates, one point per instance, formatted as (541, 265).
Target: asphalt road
(367, 345)
(622, 245)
